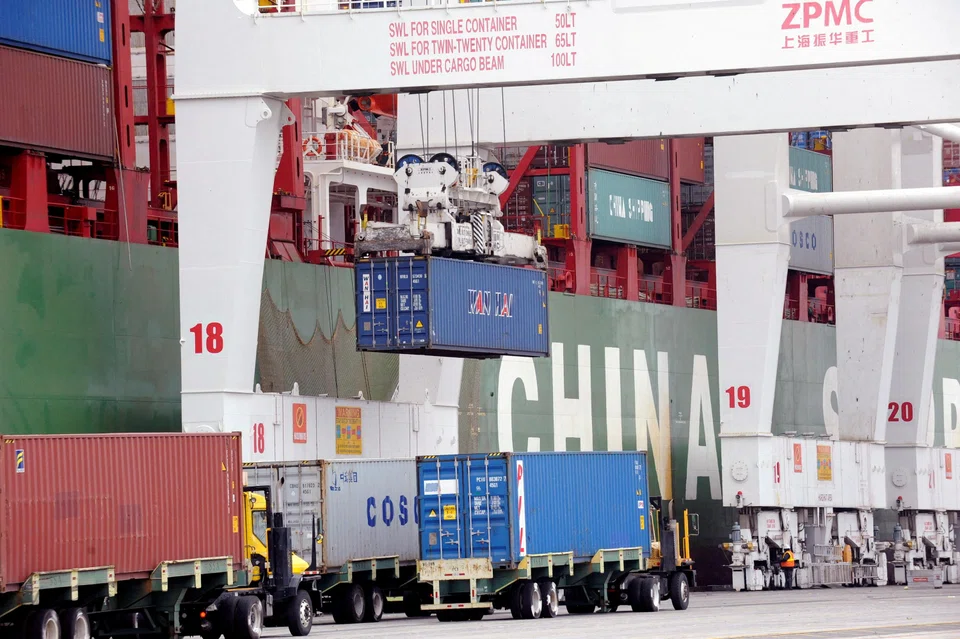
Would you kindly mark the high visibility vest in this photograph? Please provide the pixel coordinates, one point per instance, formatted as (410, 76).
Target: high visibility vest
(787, 561)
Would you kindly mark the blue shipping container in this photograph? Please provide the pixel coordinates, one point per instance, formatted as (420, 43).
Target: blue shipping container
(76, 29)
(504, 506)
(457, 308)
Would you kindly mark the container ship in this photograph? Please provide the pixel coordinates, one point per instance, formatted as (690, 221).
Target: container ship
(90, 320)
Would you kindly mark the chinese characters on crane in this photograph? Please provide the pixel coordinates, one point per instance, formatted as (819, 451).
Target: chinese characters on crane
(829, 23)
(476, 45)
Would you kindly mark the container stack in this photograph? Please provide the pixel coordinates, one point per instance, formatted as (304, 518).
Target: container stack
(819, 141)
(628, 193)
(551, 202)
(692, 198)
(951, 163)
(55, 61)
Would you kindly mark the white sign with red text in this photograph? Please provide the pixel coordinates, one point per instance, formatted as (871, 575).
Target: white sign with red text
(454, 44)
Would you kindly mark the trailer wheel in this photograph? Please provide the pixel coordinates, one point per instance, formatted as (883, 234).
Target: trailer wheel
(300, 614)
(75, 624)
(248, 618)
(43, 624)
(550, 598)
(531, 602)
(350, 606)
(373, 600)
(411, 605)
(679, 591)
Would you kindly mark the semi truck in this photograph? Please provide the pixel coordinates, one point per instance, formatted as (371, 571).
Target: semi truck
(354, 532)
(526, 532)
(143, 535)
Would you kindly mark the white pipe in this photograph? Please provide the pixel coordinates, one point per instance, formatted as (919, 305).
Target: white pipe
(946, 131)
(802, 204)
(933, 233)
(949, 248)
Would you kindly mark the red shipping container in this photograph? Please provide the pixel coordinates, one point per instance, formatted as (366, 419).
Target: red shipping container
(649, 158)
(130, 501)
(690, 153)
(646, 158)
(56, 105)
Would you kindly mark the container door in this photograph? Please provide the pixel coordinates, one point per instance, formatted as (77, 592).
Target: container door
(441, 530)
(486, 506)
(412, 303)
(372, 290)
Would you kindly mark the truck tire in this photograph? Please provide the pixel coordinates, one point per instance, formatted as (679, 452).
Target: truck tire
(43, 624)
(645, 595)
(550, 598)
(350, 606)
(531, 603)
(373, 603)
(300, 614)
(74, 624)
(679, 591)
(248, 618)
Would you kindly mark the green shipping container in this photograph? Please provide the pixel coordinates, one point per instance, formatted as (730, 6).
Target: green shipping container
(625, 208)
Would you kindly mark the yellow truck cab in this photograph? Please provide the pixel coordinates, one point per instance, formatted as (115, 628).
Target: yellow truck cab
(255, 513)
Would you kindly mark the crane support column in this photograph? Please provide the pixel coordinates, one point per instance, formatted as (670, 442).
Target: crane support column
(921, 486)
(868, 273)
(752, 257)
(225, 192)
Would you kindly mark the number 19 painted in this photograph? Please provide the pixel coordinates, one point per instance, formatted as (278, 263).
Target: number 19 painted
(739, 396)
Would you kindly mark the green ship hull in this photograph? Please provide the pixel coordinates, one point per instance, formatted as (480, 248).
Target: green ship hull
(89, 343)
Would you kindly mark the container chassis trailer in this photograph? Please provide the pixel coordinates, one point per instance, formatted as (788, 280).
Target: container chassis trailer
(523, 531)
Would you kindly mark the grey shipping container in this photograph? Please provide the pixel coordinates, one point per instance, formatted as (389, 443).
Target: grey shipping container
(362, 508)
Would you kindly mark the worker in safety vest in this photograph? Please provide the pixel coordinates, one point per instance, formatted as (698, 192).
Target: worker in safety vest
(788, 562)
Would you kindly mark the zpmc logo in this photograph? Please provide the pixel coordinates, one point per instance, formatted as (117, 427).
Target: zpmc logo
(299, 423)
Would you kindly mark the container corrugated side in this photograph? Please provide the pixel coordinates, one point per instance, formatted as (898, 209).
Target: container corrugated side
(56, 105)
(442, 306)
(648, 158)
(131, 501)
(362, 508)
(538, 503)
(811, 238)
(77, 29)
(370, 510)
(626, 208)
(690, 152)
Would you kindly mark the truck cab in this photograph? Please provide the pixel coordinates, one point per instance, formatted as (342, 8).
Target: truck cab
(255, 515)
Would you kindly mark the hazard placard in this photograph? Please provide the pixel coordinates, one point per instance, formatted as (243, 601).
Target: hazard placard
(419, 324)
(449, 512)
(432, 515)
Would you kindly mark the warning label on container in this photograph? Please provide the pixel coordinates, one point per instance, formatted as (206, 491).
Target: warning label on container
(432, 515)
(449, 512)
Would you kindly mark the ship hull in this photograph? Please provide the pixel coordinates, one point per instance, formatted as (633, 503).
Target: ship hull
(90, 344)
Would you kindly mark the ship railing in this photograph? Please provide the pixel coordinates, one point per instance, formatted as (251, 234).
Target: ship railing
(951, 329)
(606, 283)
(652, 290)
(819, 311)
(699, 295)
(348, 146)
(63, 219)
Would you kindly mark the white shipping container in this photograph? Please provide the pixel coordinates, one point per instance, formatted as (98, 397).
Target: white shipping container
(362, 508)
